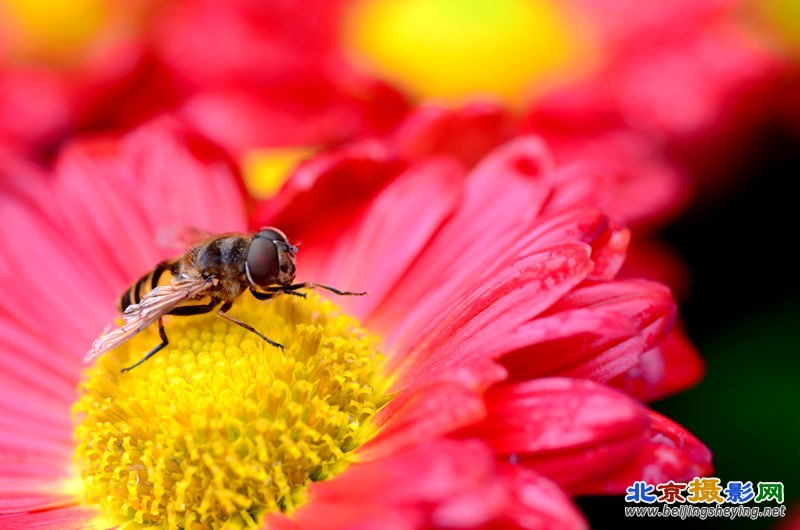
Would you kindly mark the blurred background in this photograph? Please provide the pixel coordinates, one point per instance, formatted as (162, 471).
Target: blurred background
(692, 107)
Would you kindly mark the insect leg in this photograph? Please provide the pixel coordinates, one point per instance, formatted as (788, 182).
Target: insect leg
(309, 285)
(272, 292)
(182, 311)
(187, 310)
(269, 293)
(222, 313)
(156, 349)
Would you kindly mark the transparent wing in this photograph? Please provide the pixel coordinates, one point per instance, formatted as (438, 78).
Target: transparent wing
(153, 305)
(180, 237)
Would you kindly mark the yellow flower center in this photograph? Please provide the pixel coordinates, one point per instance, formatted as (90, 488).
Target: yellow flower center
(265, 170)
(220, 427)
(782, 21)
(454, 50)
(64, 32)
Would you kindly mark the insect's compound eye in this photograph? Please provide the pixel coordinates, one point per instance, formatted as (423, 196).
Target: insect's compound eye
(273, 234)
(262, 261)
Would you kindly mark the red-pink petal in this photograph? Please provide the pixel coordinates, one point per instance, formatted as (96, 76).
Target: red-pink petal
(375, 253)
(670, 452)
(540, 503)
(466, 133)
(84, 228)
(32, 422)
(493, 309)
(441, 484)
(332, 186)
(585, 436)
(428, 412)
(632, 317)
(63, 517)
(552, 415)
(672, 366)
(500, 200)
(179, 179)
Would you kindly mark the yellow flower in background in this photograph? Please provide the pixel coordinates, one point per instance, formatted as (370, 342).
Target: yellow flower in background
(454, 51)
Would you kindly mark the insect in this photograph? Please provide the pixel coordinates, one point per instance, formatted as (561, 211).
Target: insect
(219, 268)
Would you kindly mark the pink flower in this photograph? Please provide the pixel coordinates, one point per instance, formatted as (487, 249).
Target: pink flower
(245, 76)
(492, 292)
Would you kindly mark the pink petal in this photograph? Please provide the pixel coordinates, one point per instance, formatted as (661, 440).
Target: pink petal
(408, 486)
(501, 199)
(16, 502)
(428, 412)
(33, 423)
(466, 133)
(442, 484)
(334, 186)
(670, 452)
(377, 251)
(609, 251)
(554, 417)
(551, 423)
(583, 224)
(540, 503)
(630, 318)
(42, 252)
(583, 183)
(35, 447)
(494, 309)
(586, 437)
(332, 515)
(61, 517)
(95, 239)
(673, 366)
(179, 178)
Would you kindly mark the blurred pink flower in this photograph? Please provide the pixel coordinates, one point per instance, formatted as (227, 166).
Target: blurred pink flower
(245, 75)
(682, 80)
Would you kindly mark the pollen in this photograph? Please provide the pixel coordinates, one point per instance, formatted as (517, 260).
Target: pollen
(220, 428)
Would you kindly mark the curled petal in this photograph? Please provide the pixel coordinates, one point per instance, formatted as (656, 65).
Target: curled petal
(672, 366)
(670, 452)
(586, 437)
(631, 317)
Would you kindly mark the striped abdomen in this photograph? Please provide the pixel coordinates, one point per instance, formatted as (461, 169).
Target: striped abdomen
(143, 285)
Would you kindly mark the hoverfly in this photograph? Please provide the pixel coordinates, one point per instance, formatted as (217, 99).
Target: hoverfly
(220, 268)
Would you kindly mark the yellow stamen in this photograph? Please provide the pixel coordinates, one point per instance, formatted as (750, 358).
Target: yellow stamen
(265, 170)
(220, 427)
(456, 50)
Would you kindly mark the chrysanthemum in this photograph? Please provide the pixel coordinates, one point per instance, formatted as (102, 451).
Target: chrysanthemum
(467, 390)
